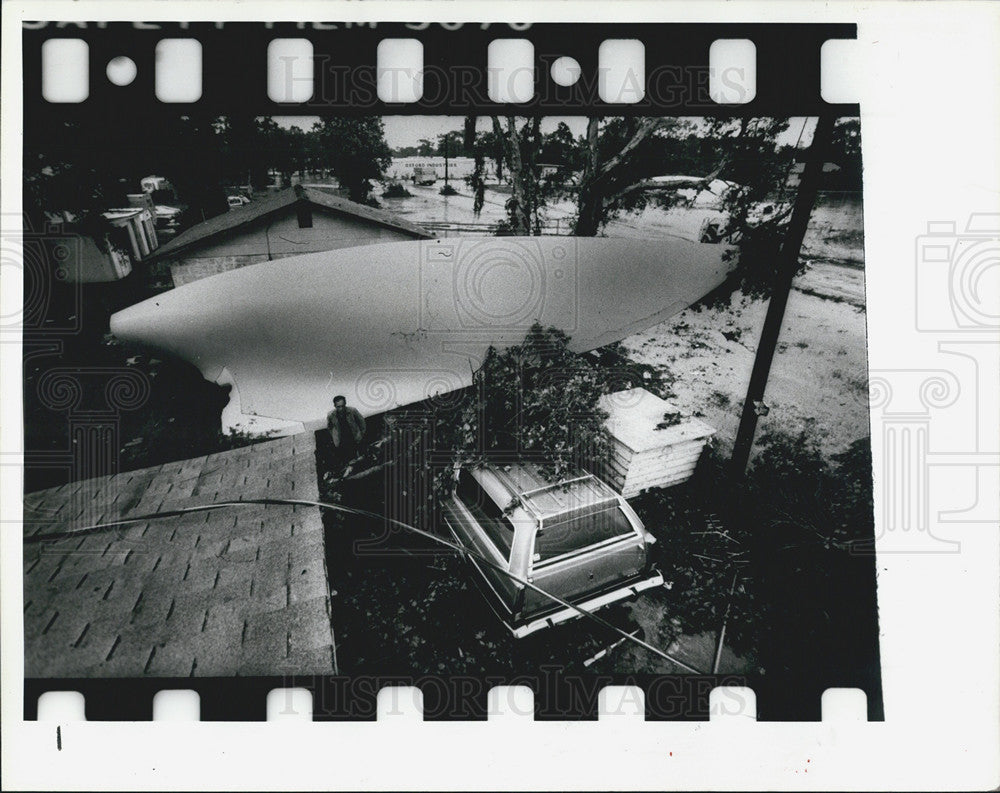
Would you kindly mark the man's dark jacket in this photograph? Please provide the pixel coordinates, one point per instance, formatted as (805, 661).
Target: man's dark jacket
(354, 420)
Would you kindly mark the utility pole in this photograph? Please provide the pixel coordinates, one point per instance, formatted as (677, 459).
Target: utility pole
(446, 160)
(787, 265)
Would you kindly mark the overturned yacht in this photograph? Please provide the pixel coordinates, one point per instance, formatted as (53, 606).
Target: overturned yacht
(395, 323)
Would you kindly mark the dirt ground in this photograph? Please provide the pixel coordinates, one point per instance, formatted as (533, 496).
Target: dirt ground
(819, 374)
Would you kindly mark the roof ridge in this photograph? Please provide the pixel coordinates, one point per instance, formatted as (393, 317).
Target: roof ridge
(260, 208)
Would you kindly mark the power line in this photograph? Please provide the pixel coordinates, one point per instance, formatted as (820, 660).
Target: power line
(53, 536)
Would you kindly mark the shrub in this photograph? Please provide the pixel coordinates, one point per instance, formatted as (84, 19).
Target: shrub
(794, 532)
(396, 190)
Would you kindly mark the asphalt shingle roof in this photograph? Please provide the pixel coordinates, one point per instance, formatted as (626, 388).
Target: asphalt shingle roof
(227, 592)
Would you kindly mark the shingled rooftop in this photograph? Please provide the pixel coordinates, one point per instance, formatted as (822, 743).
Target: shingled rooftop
(232, 591)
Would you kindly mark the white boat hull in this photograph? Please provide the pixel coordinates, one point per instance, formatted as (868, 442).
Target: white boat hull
(391, 324)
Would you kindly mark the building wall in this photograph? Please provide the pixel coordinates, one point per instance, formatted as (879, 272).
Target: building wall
(184, 271)
(277, 239)
(458, 167)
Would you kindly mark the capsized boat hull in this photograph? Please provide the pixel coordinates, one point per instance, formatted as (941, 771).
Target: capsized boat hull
(395, 323)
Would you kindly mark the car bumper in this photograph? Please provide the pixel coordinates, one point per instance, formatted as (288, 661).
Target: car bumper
(599, 602)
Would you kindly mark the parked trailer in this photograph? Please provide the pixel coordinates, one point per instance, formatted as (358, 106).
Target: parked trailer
(424, 175)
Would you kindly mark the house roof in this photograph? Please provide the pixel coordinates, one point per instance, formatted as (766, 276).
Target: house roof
(227, 592)
(246, 215)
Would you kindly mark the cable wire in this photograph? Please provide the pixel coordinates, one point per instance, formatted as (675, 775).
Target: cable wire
(53, 536)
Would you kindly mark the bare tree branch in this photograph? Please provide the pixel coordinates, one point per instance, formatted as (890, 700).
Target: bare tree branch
(646, 128)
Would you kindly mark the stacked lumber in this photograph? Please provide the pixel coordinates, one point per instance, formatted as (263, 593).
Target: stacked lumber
(645, 456)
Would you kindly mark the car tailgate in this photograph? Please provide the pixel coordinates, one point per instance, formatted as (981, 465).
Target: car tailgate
(582, 575)
(589, 605)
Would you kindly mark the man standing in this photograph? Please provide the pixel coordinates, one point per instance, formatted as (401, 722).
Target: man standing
(347, 429)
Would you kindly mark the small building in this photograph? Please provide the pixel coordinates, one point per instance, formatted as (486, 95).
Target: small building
(139, 217)
(104, 253)
(139, 225)
(652, 445)
(459, 168)
(290, 222)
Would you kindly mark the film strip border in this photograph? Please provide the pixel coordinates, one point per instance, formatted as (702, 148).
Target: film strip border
(553, 68)
(550, 696)
(456, 64)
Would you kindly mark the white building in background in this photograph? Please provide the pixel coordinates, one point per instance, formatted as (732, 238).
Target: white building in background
(402, 168)
(87, 256)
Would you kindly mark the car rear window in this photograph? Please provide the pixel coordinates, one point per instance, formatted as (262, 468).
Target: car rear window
(579, 530)
(486, 512)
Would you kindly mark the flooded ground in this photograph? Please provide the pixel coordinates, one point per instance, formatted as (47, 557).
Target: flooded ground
(819, 375)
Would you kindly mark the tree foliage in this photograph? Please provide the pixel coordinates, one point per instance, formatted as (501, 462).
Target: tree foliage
(799, 517)
(536, 400)
(86, 166)
(450, 144)
(606, 171)
(617, 156)
(355, 151)
(845, 151)
(515, 148)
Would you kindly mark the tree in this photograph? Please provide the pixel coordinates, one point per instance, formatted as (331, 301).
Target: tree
(450, 143)
(536, 400)
(85, 166)
(602, 172)
(743, 152)
(757, 169)
(354, 149)
(277, 149)
(560, 147)
(514, 148)
(845, 151)
(194, 164)
(610, 170)
(616, 158)
(245, 153)
(482, 146)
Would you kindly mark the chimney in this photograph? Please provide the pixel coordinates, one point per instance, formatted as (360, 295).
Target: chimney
(303, 208)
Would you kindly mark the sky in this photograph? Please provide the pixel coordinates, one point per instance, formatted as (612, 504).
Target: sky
(408, 130)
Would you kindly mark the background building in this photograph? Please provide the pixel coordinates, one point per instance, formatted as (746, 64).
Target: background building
(290, 222)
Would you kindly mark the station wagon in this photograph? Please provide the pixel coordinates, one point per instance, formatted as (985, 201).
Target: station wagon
(575, 538)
